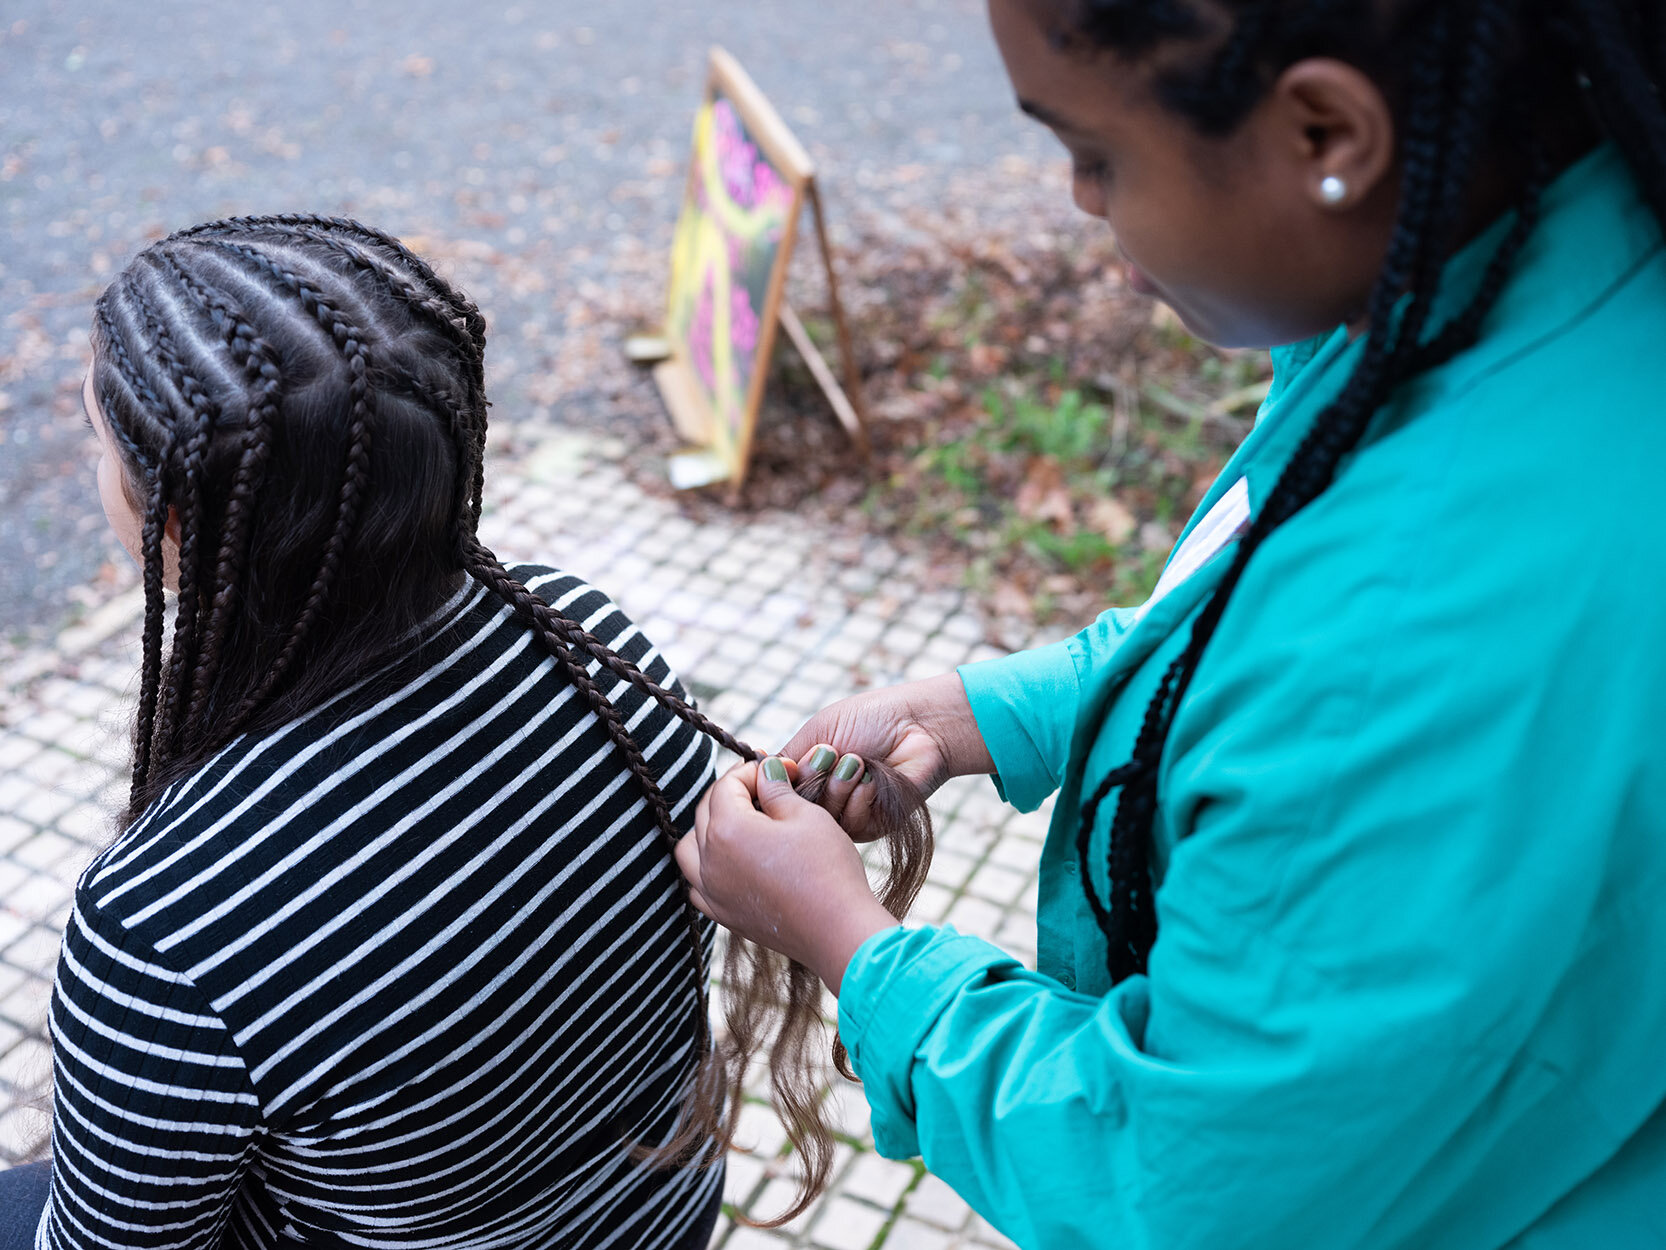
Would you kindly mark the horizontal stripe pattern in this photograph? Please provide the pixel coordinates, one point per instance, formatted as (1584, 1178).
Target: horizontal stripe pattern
(412, 971)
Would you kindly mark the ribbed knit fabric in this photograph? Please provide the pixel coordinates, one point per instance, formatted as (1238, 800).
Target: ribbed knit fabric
(412, 971)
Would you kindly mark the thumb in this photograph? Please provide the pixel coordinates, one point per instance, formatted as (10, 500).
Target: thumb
(776, 796)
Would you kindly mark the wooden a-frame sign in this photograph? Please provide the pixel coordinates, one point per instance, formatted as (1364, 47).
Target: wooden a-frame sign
(747, 187)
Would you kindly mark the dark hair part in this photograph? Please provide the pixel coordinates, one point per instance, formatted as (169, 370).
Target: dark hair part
(307, 397)
(1461, 71)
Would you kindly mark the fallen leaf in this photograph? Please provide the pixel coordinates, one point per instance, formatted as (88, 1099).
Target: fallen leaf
(1043, 495)
(1155, 536)
(986, 359)
(1109, 517)
(1009, 600)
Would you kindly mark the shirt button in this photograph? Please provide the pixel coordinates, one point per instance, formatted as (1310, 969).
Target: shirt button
(1067, 980)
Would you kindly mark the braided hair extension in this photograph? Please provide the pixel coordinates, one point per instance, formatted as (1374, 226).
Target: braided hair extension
(1464, 64)
(269, 321)
(487, 569)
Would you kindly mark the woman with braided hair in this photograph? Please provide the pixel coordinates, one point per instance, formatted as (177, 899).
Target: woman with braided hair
(1351, 910)
(392, 950)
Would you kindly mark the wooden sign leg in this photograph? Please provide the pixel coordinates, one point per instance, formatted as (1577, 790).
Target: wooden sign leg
(857, 421)
(843, 407)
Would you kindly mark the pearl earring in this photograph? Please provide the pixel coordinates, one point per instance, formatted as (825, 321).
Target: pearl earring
(1332, 190)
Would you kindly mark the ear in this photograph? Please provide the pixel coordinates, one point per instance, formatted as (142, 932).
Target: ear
(1338, 130)
(170, 550)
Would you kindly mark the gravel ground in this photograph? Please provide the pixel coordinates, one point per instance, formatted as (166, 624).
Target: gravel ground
(537, 150)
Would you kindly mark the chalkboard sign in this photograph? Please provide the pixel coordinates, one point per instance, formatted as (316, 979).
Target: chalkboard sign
(748, 183)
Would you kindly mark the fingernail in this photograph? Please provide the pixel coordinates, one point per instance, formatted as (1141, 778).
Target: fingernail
(868, 777)
(848, 767)
(775, 769)
(821, 759)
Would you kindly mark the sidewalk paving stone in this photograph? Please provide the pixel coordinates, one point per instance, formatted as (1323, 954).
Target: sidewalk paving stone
(764, 623)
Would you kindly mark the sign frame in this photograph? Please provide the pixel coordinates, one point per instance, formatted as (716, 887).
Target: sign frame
(724, 454)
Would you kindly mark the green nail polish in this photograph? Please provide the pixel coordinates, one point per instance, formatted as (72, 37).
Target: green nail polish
(775, 769)
(868, 777)
(848, 768)
(821, 759)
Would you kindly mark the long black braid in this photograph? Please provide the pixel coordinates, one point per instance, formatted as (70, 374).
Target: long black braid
(1461, 69)
(260, 369)
(192, 443)
(154, 511)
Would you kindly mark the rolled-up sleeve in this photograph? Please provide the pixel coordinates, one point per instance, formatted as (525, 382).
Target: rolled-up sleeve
(1013, 1089)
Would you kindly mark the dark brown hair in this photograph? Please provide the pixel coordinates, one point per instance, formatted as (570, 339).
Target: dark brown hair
(308, 397)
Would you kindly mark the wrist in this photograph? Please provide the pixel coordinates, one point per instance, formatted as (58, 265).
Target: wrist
(940, 707)
(840, 941)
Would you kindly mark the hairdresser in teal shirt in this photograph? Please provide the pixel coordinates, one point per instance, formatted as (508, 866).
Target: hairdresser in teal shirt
(1403, 979)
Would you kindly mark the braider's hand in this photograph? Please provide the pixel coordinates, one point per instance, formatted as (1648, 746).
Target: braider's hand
(778, 870)
(925, 730)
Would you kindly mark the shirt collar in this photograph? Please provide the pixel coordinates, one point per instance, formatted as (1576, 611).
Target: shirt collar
(1594, 230)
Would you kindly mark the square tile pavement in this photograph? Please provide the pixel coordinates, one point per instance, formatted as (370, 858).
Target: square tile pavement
(821, 623)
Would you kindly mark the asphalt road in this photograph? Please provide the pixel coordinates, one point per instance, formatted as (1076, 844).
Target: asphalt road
(538, 146)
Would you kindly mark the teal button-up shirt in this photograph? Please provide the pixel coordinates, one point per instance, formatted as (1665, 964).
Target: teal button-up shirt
(1410, 984)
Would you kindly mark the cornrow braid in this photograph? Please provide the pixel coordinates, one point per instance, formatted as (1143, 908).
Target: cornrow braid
(109, 340)
(349, 341)
(264, 380)
(465, 426)
(461, 319)
(467, 437)
(442, 312)
(191, 449)
(446, 305)
(155, 512)
(472, 316)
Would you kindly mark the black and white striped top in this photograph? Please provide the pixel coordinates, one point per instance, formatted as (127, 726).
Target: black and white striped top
(412, 971)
